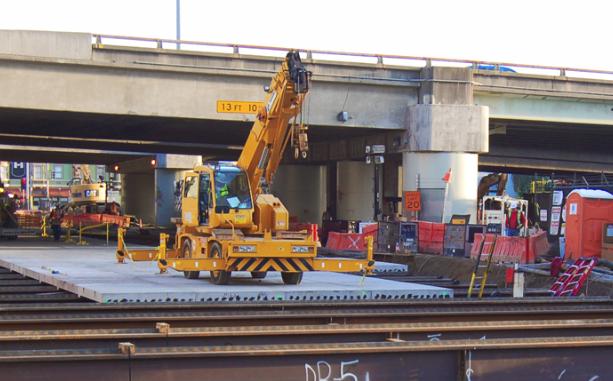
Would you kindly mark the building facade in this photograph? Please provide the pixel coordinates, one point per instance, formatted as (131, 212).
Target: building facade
(42, 186)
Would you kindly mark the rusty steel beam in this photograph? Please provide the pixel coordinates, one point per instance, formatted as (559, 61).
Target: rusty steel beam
(490, 359)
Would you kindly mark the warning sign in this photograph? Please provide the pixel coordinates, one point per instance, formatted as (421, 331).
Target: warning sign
(412, 201)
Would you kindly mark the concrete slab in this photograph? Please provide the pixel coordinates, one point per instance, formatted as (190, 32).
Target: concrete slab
(93, 273)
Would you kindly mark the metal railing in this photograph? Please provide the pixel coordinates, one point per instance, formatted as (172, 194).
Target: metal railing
(377, 59)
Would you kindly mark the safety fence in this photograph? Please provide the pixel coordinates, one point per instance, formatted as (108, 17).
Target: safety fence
(442, 239)
(510, 249)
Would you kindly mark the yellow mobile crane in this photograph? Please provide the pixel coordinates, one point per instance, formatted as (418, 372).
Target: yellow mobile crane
(228, 223)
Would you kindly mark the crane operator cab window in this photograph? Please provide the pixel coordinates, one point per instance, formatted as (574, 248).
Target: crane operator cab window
(198, 189)
(231, 190)
(204, 199)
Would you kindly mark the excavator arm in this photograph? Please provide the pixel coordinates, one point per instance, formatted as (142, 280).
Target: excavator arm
(275, 125)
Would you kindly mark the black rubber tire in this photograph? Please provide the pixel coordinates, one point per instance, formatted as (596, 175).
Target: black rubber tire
(219, 277)
(186, 252)
(258, 274)
(291, 278)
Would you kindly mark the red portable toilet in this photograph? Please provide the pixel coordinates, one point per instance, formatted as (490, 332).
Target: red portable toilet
(587, 210)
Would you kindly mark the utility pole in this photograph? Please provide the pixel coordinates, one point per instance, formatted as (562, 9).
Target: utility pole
(374, 154)
(178, 23)
(28, 183)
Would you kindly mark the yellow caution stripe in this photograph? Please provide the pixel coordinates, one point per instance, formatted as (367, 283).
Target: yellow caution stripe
(270, 264)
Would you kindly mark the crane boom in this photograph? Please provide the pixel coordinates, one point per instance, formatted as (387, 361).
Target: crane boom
(271, 130)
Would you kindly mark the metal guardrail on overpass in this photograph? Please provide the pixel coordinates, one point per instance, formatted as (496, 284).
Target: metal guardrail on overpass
(377, 59)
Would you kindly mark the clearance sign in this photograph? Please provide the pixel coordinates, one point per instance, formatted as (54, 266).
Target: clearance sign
(238, 107)
(412, 201)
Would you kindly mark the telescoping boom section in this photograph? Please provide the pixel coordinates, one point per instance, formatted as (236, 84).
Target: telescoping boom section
(228, 222)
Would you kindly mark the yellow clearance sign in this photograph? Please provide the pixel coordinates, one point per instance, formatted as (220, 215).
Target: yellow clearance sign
(238, 107)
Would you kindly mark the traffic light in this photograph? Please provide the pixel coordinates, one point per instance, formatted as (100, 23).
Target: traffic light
(24, 184)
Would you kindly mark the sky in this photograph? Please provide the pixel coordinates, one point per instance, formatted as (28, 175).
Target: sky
(541, 32)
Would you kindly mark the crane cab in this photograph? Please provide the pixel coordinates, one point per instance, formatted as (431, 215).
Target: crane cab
(216, 197)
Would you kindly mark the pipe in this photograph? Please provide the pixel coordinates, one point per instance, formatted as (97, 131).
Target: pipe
(125, 141)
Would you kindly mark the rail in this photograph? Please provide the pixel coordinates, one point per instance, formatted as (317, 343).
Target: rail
(98, 41)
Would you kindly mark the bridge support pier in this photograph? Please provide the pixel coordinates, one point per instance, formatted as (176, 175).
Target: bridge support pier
(148, 186)
(444, 131)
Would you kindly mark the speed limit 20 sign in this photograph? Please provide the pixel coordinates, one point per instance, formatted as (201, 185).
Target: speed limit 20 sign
(412, 201)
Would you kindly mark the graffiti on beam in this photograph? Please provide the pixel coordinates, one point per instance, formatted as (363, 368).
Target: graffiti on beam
(324, 371)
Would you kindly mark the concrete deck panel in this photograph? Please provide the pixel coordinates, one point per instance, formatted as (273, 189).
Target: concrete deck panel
(93, 273)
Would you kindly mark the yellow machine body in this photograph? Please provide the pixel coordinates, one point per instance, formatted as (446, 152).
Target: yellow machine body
(94, 193)
(228, 223)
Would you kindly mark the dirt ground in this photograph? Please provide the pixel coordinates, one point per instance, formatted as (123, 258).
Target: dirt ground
(461, 269)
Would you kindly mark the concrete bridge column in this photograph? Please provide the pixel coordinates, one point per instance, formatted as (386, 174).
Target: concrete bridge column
(302, 189)
(444, 131)
(355, 191)
(148, 186)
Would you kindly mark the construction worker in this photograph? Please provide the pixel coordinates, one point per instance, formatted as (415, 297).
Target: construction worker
(56, 224)
(514, 220)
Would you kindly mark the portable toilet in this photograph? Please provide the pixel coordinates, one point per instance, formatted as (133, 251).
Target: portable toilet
(587, 211)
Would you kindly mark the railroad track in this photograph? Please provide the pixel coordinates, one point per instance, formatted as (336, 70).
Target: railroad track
(146, 315)
(46, 334)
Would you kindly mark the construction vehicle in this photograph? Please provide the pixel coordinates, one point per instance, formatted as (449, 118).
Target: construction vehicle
(498, 179)
(494, 210)
(88, 203)
(228, 222)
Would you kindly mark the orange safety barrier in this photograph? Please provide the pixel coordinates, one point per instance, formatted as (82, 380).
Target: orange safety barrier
(505, 249)
(502, 249)
(29, 219)
(95, 219)
(488, 244)
(538, 245)
(370, 231)
(431, 236)
(475, 250)
(345, 241)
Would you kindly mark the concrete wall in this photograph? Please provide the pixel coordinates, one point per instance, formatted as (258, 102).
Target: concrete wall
(138, 195)
(302, 189)
(355, 195)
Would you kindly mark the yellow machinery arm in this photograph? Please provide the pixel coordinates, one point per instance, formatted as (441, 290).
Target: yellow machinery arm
(271, 130)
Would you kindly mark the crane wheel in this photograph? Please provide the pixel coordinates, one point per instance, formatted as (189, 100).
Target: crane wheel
(258, 274)
(186, 252)
(291, 278)
(219, 277)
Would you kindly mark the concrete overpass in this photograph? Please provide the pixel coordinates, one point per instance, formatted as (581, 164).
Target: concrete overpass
(71, 94)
